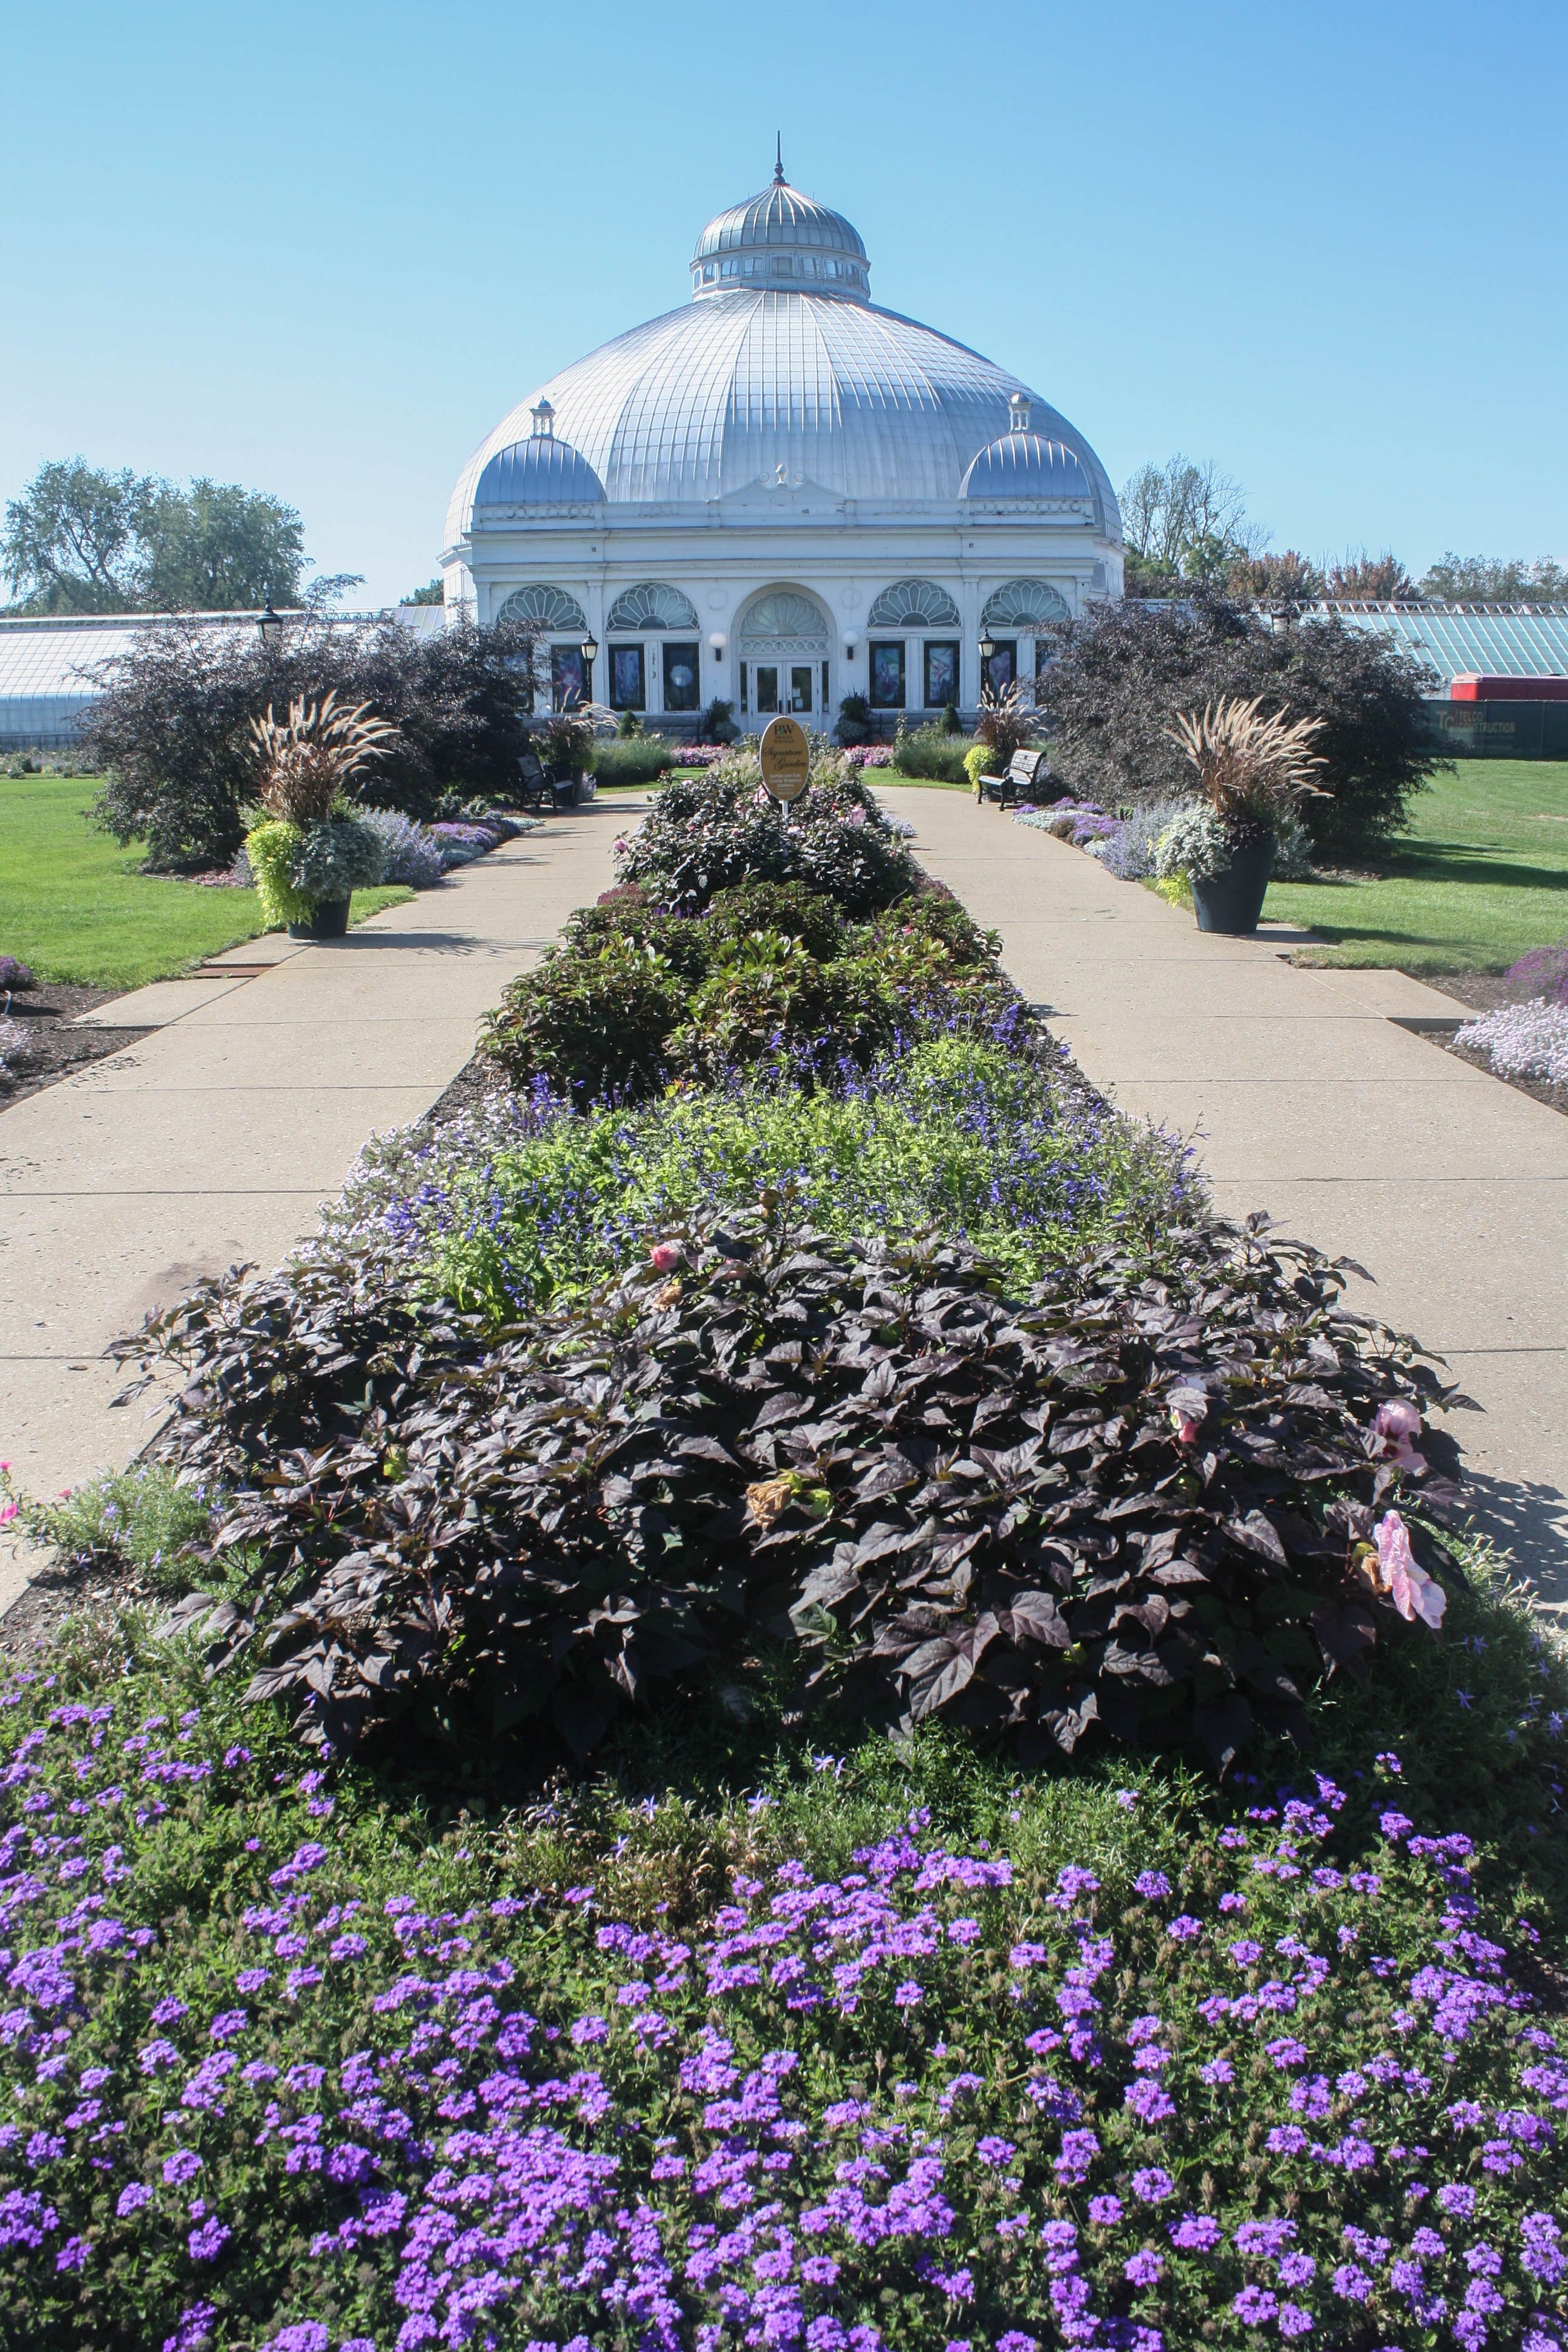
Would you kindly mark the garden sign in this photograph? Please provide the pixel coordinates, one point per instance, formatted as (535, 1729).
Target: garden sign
(785, 758)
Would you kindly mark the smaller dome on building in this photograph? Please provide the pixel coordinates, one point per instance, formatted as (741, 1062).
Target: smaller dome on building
(538, 472)
(1022, 465)
(780, 238)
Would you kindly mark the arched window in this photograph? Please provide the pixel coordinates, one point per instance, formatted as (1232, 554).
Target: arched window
(652, 604)
(1024, 604)
(552, 608)
(914, 605)
(783, 618)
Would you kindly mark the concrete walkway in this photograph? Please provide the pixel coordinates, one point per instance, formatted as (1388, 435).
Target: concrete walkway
(216, 1139)
(1305, 1098)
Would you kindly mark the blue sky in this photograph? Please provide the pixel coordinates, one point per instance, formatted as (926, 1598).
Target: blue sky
(322, 249)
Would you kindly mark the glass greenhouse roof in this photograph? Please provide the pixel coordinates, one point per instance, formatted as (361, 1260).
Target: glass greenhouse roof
(1498, 640)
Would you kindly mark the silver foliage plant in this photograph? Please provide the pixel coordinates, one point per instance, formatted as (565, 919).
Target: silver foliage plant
(1522, 1041)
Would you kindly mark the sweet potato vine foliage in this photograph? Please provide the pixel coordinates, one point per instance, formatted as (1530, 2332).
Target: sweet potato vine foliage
(351, 2096)
(1121, 1505)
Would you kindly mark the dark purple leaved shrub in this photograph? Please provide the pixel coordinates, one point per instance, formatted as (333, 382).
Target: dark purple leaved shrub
(1122, 1506)
(16, 974)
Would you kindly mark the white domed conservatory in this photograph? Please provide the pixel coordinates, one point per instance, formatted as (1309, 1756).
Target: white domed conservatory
(780, 494)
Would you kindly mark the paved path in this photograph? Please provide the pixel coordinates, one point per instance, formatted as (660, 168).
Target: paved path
(216, 1139)
(1305, 1098)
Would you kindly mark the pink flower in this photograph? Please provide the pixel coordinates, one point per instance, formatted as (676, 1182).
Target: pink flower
(1413, 1592)
(1397, 1423)
(664, 1256)
(7, 1511)
(1190, 1408)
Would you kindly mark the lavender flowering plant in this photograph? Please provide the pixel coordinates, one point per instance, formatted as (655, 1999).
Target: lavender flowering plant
(1135, 2074)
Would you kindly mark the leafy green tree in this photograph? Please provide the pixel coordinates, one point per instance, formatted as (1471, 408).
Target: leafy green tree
(79, 540)
(1184, 521)
(72, 541)
(432, 592)
(1496, 580)
(216, 548)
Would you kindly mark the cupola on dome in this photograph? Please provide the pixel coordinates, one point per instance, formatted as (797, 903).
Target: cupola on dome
(780, 238)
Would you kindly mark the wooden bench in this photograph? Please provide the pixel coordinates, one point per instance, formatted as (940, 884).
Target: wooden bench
(1027, 770)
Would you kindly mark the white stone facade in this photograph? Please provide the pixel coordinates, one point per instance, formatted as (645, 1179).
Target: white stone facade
(779, 494)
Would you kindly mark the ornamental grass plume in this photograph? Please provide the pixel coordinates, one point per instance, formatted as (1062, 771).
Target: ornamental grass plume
(309, 761)
(1251, 766)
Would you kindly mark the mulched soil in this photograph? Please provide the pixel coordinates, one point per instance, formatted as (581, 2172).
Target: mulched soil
(96, 1591)
(467, 1090)
(54, 1047)
(1484, 992)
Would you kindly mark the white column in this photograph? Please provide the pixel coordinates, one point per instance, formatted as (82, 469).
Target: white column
(970, 602)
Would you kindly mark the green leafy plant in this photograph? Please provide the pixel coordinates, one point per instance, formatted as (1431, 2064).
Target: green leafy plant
(977, 762)
(530, 1206)
(707, 834)
(934, 752)
(595, 1022)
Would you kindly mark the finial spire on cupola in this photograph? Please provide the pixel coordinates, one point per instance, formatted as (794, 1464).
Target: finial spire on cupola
(778, 180)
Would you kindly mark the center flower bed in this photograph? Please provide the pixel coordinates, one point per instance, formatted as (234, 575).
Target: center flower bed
(797, 1351)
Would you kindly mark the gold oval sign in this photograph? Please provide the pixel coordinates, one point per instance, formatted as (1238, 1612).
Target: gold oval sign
(785, 751)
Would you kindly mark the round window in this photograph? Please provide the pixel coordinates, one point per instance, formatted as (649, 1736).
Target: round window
(680, 675)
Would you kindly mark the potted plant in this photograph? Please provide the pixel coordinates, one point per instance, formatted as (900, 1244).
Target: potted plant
(309, 851)
(1253, 770)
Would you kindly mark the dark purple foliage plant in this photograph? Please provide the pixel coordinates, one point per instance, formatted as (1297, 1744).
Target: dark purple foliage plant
(1122, 1508)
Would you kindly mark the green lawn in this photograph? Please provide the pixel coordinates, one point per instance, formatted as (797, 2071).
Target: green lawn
(74, 907)
(1481, 876)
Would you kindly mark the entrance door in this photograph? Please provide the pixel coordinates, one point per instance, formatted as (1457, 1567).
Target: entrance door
(775, 686)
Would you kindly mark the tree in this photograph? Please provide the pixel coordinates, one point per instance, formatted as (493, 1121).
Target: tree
(1371, 579)
(82, 541)
(432, 592)
(72, 540)
(171, 727)
(1184, 521)
(1124, 671)
(1492, 579)
(216, 548)
(1286, 578)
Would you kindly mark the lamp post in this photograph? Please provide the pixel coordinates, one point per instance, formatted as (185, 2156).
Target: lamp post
(269, 628)
(987, 648)
(589, 648)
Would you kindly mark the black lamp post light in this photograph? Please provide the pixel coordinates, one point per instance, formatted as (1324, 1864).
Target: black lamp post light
(987, 648)
(269, 627)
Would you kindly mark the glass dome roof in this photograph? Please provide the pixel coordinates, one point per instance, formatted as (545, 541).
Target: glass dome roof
(781, 380)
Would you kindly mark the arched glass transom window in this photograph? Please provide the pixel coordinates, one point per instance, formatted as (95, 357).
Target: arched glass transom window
(914, 605)
(783, 617)
(1024, 604)
(652, 604)
(552, 608)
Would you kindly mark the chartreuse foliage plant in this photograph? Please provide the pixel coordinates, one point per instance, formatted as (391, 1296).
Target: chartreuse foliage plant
(888, 2053)
(994, 1146)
